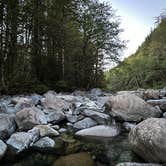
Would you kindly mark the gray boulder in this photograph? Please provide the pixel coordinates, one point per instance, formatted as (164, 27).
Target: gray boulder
(160, 102)
(23, 140)
(46, 130)
(7, 125)
(100, 118)
(44, 144)
(100, 131)
(137, 164)
(148, 140)
(131, 108)
(36, 99)
(157, 102)
(7, 108)
(73, 118)
(85, 123)
(55, 116)
(30, 117)
(22, 103)
(3, 148)
(56, 103)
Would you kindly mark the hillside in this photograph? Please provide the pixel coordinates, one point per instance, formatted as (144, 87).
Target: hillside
(144, 69)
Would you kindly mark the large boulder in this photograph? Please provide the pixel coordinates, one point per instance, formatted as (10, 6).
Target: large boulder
(148, 140)
(100, 131)
(3, 148)
(73, 118)
(51, 101)
(46, 130)
(129, 107)
(85, 123)
(137, 164)
(55, 116)
(100, 118)
(30, 117)
(44, 144)
(7, 125)
(23, 140)
(23, 102)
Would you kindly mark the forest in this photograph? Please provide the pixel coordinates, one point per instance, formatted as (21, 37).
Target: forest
(147, 67)
(54, 44)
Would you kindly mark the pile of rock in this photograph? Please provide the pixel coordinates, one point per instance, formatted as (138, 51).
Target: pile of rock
(33, 121)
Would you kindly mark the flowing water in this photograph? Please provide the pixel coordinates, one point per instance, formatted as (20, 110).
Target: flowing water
(103, 151)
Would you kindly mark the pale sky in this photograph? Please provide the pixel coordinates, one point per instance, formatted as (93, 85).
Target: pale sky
(137, 19)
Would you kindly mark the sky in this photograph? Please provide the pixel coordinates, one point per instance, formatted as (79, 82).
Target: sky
(137, 20)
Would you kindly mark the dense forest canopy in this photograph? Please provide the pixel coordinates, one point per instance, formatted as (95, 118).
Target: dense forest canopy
(147, 67)
(56, 44)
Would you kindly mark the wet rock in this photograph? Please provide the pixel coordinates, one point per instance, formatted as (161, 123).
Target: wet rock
(44, 144)
(137, 164)
(53, 102)
(148, 140)
(100, 118)
(46, 130)
(78, 159)
(3, 148)
(72, 145)
(55, 117)
(62, 130)
(131, 108)
(100, 131)
(125, 156)
(85, 123)
(7, 125)
(30, 117)
(23, 140)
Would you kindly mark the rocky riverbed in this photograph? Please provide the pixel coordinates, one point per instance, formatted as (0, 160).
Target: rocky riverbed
(93, 128)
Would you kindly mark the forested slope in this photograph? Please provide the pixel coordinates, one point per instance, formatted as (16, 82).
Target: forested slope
(146, 68)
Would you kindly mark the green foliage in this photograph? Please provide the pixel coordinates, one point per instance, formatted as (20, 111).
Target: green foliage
(146, 68)
(60, 44)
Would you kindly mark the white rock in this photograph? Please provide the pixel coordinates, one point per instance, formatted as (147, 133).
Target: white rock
(100, 131)
(23, 140)
(46, 130)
